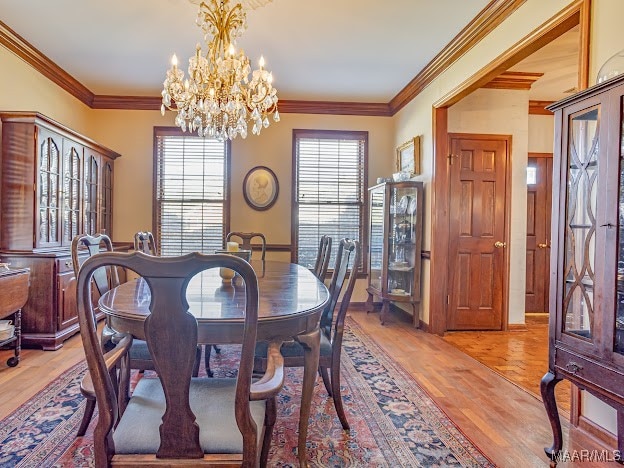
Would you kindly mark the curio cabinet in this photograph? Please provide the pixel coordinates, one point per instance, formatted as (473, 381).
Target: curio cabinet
(586, 335)
(395, 238)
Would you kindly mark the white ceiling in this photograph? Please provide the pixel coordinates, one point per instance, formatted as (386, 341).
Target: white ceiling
(558, 61)
(334, 50)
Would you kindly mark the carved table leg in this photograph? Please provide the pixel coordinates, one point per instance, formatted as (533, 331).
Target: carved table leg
(547, 387)
(311, 343)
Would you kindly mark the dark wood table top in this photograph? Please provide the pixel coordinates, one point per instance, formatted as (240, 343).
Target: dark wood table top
(291, 300)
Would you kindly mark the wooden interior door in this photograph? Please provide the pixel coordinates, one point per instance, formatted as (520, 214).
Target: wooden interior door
(539, 200)
(477, 241)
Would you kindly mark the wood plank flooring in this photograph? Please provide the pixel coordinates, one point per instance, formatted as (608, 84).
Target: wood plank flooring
(506, 422)
(520, 356)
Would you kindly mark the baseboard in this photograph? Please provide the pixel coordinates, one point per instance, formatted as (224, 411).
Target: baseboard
(597, 432)
(357, 306)
(423, 326)
(516, 327)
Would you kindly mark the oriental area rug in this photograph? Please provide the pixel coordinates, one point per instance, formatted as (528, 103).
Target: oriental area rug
(393, 421)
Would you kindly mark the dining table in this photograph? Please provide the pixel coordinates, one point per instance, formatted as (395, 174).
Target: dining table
(291, 300)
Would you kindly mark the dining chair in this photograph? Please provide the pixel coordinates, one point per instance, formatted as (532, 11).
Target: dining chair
(177, 419)
(145, 242)
(322, 257)
(246, 238)
(332, 328)
(104, 279)
(245, 244)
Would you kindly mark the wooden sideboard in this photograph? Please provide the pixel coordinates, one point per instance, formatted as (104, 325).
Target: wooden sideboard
(55, 184)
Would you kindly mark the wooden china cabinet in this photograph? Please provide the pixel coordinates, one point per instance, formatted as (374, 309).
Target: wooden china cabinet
(395, 239)
(55, 184)
(587, 261)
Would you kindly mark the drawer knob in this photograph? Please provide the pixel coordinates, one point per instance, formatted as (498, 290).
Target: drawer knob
(68, 263)
(573, 367)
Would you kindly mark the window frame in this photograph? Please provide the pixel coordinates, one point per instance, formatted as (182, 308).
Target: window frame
(175, 131)
(363, 225)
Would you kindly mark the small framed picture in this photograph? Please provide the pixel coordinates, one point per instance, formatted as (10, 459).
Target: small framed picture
(408, 156)
(260, 188)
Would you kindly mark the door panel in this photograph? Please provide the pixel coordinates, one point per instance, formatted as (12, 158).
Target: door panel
(539, 196)
(478, 171)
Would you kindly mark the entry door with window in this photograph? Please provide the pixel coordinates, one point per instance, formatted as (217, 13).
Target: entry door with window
(477, 242)
(539, 199)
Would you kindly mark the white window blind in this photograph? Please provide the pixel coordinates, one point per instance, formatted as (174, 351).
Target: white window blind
(329, 193)
(191, 193)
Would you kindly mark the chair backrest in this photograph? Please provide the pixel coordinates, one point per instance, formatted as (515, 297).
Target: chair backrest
(347, 263)
(322, 257)
(104, 279)
(245, 238)
(171, 335)
(145, 242)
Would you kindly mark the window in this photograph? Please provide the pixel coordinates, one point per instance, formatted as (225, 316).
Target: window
(191, 192)
(329, 190)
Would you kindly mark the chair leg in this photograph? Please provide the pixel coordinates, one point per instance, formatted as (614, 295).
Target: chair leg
(208, 350)
(86, 417)
(269, 421)
(124, 385)
(325, 376)
(335, 385)
(217, 349)
(198, 352)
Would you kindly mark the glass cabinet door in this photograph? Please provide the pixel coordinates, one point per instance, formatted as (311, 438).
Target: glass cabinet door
(376, 253)
(71, 193)
(580, 237)
(401, 240)
(618, 341)
(49, 189)
(90, 201)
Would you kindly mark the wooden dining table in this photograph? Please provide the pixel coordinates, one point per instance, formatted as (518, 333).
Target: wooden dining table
(291, 300)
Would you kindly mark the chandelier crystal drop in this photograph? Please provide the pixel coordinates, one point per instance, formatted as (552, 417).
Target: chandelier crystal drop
(221, 94)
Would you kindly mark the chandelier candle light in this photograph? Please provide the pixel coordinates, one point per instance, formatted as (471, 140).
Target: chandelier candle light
(218, 98)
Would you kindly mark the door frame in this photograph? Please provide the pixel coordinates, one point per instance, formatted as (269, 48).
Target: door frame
(547, 156)
(577, 13)
(507, 218)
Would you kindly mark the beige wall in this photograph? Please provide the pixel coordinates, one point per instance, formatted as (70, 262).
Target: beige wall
(23, 89)
(541, 133)
(273, 148)
(503, 112)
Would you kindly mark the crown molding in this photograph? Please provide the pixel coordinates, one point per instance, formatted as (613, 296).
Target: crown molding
(126, 102)
(539, 107)
(29, 54)
(284, 106)
(338, 108)
(488, 19)
(514, 80)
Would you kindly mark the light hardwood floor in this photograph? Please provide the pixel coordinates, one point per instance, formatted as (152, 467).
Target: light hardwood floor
(506, 422)
(520, 355)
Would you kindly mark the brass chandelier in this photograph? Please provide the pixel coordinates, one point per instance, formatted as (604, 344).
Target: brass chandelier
(219, 98)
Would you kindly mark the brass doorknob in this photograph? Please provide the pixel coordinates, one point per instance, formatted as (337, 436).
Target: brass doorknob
(542, 246)
(500, 245)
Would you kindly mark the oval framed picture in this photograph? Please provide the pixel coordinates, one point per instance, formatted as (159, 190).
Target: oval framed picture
(260, 188)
